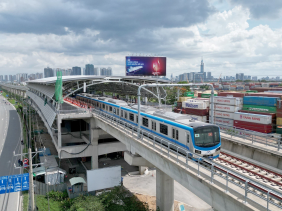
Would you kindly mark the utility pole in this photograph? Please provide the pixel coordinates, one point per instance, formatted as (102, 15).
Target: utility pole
(31, 191)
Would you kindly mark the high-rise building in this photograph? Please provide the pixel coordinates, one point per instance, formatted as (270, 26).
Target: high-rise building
(239, 76)
(10, 78)
(96, 71)
(89, 69)
(6, 78)
(202, 66)
(183, 77)
(106, 71)
(48, 72)
(1, 77)
(208, 75)
(76, 71)
(254, 78)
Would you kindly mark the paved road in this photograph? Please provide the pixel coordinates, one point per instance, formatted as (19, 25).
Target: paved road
(10, 133)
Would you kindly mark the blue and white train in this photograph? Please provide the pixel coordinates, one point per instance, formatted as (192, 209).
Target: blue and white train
(198, 137)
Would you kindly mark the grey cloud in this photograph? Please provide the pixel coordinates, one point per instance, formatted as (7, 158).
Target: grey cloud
(262, 8)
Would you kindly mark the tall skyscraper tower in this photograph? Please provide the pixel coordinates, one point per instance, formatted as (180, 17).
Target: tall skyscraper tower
(202, 66)
(89, 69)
(76, 71)
(48, 72)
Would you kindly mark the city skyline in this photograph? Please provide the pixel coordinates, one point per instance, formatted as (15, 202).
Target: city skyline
(232, 36)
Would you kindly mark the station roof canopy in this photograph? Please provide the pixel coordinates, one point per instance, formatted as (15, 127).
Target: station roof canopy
(124, 85)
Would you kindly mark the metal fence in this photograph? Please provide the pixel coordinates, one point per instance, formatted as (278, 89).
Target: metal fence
(272, 140)
(42, 188)
(248, 188)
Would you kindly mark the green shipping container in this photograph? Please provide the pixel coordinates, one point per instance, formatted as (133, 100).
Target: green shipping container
(266, 109)
(279, 129)
(189, 94)
(207, 95)
(251, 91)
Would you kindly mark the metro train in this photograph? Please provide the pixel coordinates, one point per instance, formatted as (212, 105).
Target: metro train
(177, 129)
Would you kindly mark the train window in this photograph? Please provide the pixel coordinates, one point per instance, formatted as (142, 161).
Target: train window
(176, 135)
(110, 108)
(187, 137)
(154, 125)
(131, 117)
(145, 122)
(103, 105)
(118, 111)
(121, 113)
(173, 133)
(114, 110)
(163, 129)
(125, 115)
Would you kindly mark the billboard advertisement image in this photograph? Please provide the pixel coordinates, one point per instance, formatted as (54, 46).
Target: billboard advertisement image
(145, 66)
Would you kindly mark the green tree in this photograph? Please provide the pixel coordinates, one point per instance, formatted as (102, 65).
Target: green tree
(87, 203)
(172, 92)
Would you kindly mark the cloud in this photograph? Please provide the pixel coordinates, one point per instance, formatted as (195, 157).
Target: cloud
(261, 8)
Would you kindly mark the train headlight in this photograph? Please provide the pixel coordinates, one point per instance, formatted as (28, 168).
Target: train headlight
(197, 151)
(217, 149)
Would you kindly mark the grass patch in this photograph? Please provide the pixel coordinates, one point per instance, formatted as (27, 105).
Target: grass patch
(42, 204)
(25, 200)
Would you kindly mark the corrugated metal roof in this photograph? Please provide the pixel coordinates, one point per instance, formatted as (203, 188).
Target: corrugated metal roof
(46, 90)
(76, 180)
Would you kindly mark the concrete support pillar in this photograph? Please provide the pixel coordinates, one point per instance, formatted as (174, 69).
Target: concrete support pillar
(59, 121)
(94, 135)
(165, 191)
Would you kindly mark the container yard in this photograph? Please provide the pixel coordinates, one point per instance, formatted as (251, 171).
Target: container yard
(256, 109)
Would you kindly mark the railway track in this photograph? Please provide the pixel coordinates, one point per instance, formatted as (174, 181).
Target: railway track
(257, 173)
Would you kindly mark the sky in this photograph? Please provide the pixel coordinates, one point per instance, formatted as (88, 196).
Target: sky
(232, 36)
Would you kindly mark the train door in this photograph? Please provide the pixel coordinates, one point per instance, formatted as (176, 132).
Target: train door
(175, 133)
(188, 140)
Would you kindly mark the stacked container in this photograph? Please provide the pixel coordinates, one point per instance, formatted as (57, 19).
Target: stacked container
(224, 109)
(254, 122)
(259, 114)
(279, 117)
(197, 108)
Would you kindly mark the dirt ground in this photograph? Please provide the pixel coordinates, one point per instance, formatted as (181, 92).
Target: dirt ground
(151, 201)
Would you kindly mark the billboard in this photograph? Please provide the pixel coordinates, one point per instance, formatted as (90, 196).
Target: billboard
(145, 66)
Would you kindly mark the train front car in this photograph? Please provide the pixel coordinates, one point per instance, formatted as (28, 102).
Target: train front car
(207, 141)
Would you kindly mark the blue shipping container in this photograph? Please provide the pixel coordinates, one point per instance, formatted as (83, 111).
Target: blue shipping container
(262, 101)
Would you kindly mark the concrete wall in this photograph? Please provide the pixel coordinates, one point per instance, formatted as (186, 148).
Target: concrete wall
(253, 152)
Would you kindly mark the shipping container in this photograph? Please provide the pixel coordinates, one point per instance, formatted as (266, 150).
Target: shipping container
(261, 101)
(196, 105)
(223, 121)
(207, 95)
(234, 101)
(265, 94)
(253, 126)
(223, 114)
(227, 108)
(251, 91)
(231, 94)
(278, 114)
(255, 118)
(279, 104)
(182, 99)
(266, 109)
(279, 129)
(179, 105)
(189, 94)
(199, 118)
(279, 121)
(197, 112)
(273, 115)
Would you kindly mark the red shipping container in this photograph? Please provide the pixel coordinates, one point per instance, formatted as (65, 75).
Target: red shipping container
(234, 94)
(199, 94)
(279, 114)
(179, 105)
(261, 113)
(265, 94)
(198, 112)
(253, 126)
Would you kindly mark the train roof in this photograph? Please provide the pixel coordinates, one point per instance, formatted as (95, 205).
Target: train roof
(145, 109)
(118, 102)
(171, 115)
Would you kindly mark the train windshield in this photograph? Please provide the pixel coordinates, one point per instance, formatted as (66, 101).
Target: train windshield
(206, 136)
